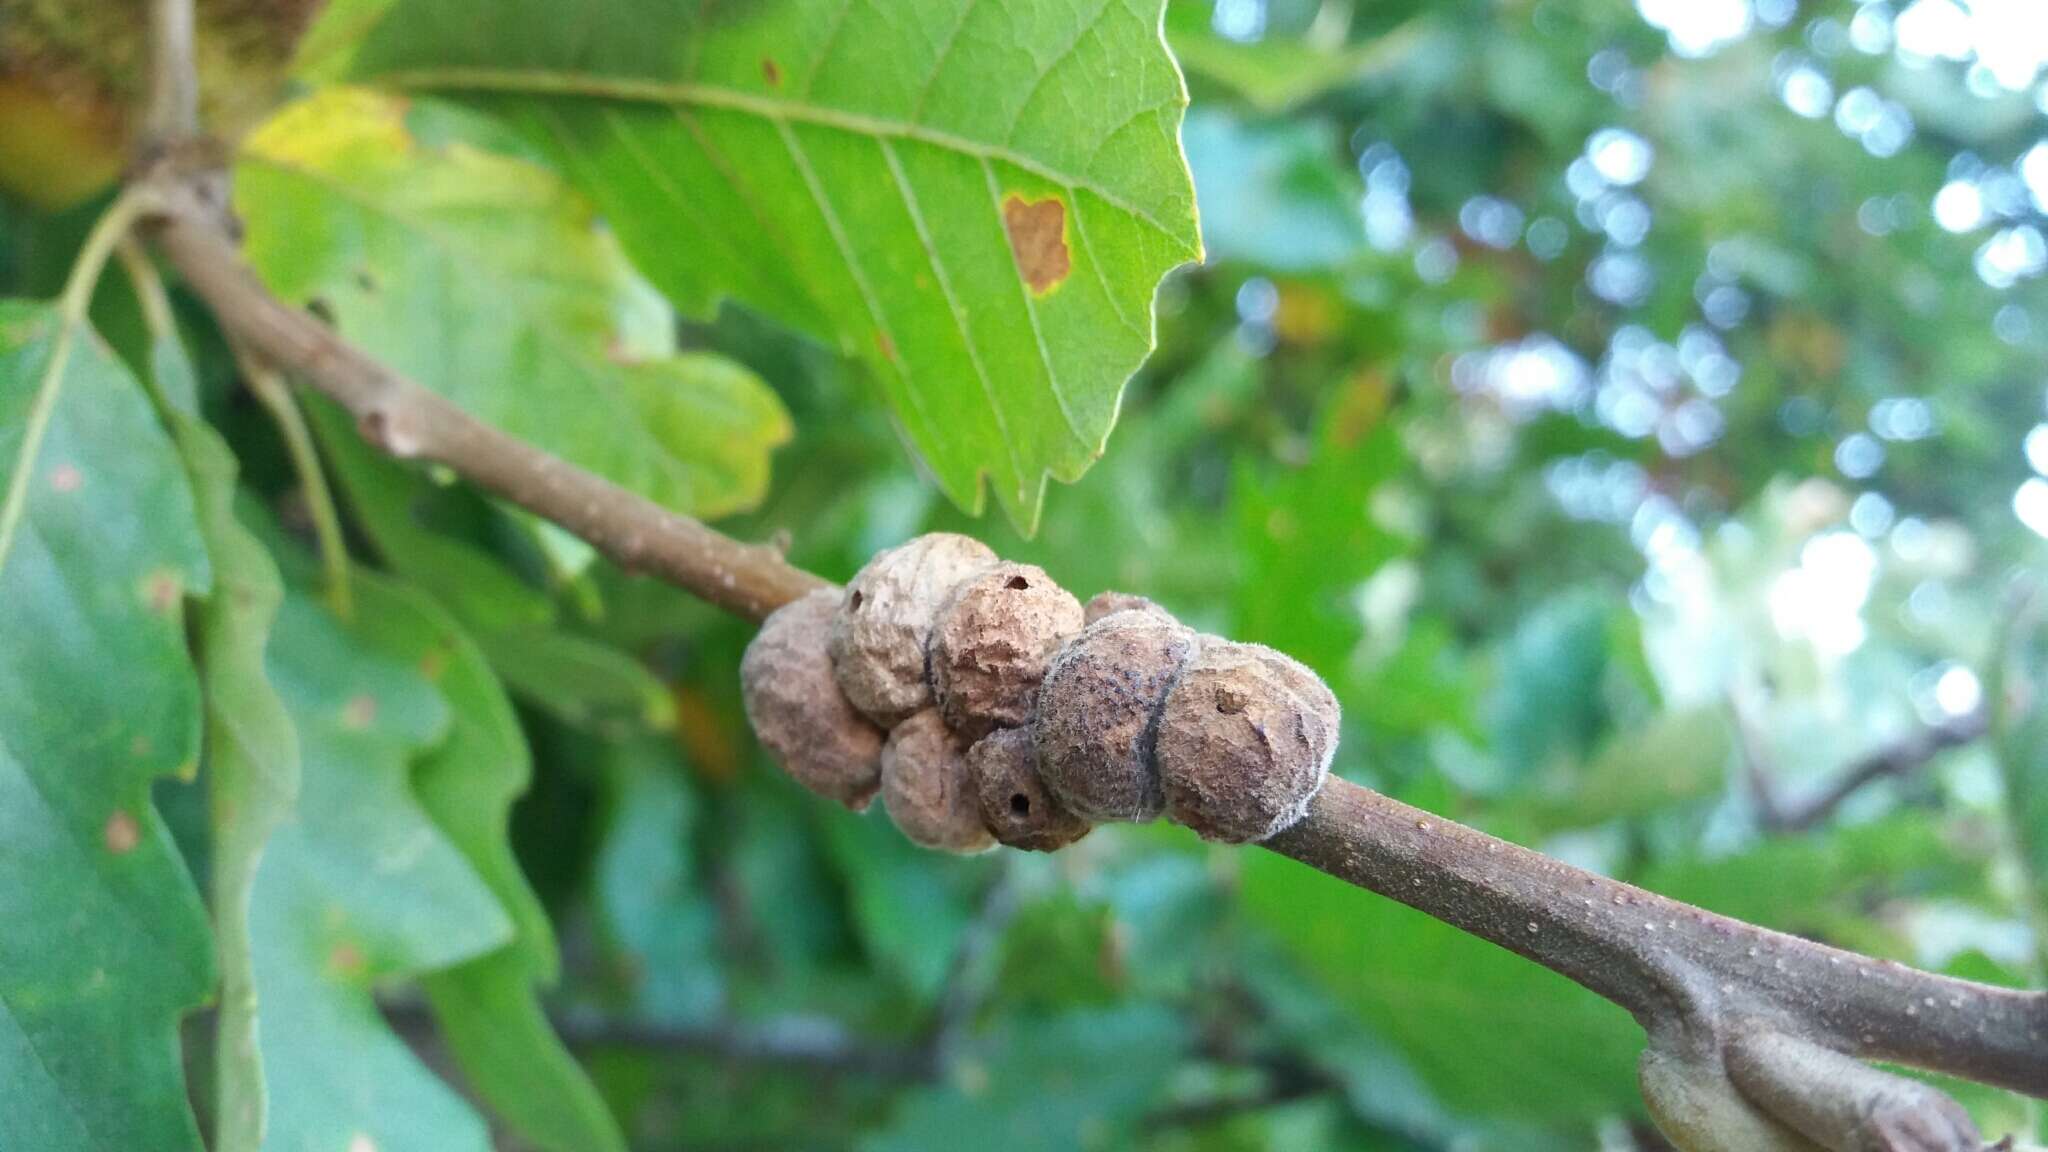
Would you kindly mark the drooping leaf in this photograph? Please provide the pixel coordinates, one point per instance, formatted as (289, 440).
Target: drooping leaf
(449, 808)
(661, 926)
(105, 944)
(1553, 1051)
(252, 751)
(360, 889)
(974, 200)
(488, 1007)
(487, 279)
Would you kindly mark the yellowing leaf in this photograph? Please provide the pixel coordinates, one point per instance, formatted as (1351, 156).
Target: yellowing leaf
(487, 279)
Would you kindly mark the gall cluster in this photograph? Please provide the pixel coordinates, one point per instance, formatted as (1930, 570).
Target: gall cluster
(985, 704)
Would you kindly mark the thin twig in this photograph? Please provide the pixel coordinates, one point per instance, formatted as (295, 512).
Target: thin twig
(157, 318)
(173, 113)
(1901, 757)
(967, 978)
(268, 385)
(1907, 755)
(797, 1041)
(1672, 965)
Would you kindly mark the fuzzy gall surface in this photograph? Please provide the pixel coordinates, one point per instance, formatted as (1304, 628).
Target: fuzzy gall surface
(1015, 804)
(992, 644)
(1096, 709)
(794, 705)
(1245, 740)
(885, 620)
(1103, 603)
(926, 787)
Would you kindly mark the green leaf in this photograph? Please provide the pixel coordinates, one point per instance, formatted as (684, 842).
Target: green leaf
(487, 1007)
(362, 889)
(579, 681)
(1824, 883)
(1079, 1080)
(1675, 758)
(974, 200)
(105, 944)
(1308, 535)
(1460, 1009)
(649, 900)
(1547, 707)
(1280, 73)
(252, 751)
(909, 906)
(486, 278)
(475, 933)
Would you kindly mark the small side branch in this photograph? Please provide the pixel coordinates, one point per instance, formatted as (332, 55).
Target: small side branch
(1901, 758)
(173, 113)
(409, 422)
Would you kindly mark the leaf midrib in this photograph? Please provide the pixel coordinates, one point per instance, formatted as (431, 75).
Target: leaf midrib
(543, 82)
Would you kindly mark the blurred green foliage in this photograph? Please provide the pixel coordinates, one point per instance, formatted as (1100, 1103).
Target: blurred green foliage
(1616, 411)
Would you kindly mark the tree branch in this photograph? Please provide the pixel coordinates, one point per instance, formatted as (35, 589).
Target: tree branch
(1677, 968)
(173, 112)
(1902, 757)
(407, 421)
(1668, 963)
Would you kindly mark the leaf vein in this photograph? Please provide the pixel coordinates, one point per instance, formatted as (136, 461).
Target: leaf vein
(931, 252)
(1059, 58)
(1101, 277)
(1052, 376)
(782, 112)
(860, 283)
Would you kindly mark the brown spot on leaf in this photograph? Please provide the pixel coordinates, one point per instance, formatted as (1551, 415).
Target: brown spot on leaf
(122, 833)
(885, 346)
(771, 72)
(1038, 239)
(161, 589)
(360, 711)
(66, 478)
(140, 747)
(345, 960)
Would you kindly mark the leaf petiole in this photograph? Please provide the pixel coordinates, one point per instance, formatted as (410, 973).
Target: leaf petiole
(270, 388)
(107, 233)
